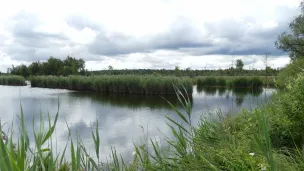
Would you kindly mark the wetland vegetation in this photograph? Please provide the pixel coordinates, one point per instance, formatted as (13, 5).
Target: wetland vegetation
(12, 80)
(269, 137)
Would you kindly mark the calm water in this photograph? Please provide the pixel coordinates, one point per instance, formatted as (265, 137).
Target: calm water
(121, 117)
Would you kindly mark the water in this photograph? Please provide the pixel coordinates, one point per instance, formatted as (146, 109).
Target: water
(123, 119)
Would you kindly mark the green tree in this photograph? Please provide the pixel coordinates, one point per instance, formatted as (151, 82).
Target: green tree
(177, 71)
(110, 67)
(73, 66)
(293, 41)
(35, 68)
(239, 65)
(54, 66)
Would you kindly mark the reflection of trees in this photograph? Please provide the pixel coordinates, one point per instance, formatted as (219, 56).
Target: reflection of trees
(207, 90)
(131, 100)
(221, 91)
(247, 91)
(240, 93)
(239, 100)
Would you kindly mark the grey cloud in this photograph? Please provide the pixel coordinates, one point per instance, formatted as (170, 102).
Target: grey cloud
(29, 44)
(79, 23)
(235, 37)
(181, 34)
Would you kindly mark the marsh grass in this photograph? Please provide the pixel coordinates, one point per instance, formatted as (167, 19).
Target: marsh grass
(12, 80)
(238, 82)
(132, 84)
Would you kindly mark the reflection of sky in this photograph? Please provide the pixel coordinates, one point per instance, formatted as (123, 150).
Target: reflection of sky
(120, 124)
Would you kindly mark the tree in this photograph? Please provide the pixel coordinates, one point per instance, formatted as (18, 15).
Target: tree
(293, 41)
(35, 68)
(73, 66)
(239, 65)
(177, 71)
(110, 67)
(54, 66)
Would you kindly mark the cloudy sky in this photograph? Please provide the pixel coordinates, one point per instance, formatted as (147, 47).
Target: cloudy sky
(145, 33)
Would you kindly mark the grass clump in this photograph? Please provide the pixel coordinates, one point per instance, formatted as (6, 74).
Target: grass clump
(12, 80)
(237, 82)
(207, 81)
(131, 84)
(245, 82)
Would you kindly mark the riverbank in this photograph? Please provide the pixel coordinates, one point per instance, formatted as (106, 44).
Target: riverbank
(267, 138)
(148, 84)
(132, 84)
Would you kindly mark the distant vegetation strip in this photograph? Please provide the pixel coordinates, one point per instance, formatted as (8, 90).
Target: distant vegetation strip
(240, 81)
(12, 80)
(133, 84)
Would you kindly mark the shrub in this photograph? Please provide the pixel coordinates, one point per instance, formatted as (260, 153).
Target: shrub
(288, 73)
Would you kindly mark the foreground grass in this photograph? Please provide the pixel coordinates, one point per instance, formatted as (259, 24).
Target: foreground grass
(12, 80)
(267, 138)
(132, 84)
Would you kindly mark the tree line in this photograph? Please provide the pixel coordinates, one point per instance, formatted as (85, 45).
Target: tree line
(53, 66)
(236, 70)
(73, 66)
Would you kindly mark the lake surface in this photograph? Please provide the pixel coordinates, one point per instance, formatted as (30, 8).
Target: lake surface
(121, 117)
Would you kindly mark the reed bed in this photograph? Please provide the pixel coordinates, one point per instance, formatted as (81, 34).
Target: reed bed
(237, 82)
(130, 84)
(12, 80)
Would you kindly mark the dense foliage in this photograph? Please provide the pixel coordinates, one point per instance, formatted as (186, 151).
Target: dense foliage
(53, 66)
(293, 40)
(12, 80)
(132, 84)
(290, 72)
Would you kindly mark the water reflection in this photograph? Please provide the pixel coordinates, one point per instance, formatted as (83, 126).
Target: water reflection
(132, 101)
(238, 93)
(120, 116)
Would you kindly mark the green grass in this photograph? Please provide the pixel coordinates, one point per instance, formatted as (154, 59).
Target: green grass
(239, 82)
(132, 84)
(266, 138)
(12, 80)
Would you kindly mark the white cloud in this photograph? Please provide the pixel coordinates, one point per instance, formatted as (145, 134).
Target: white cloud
(135, 33)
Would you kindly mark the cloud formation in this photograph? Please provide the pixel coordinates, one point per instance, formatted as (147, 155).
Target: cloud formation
(144, 30)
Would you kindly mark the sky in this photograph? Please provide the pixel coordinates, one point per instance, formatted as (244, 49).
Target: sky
(152, 34)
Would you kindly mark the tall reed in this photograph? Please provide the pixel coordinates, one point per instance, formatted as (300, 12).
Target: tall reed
(12, 80)
(133, 84)
(244, 82)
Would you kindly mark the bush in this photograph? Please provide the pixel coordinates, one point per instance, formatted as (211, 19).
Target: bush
(288, 73)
